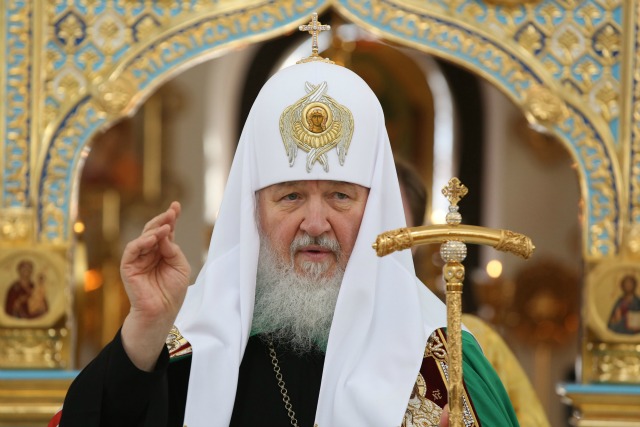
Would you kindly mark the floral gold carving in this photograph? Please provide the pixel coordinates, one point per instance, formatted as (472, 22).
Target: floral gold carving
(16, 225)
(435, 348)
(633, 240)
(33, 348)
(602, 177)
(513, 2)
(64, 152)
(391, 241)
(17, 99)
(516, 243)
(453, 273)
(616, 363)
(114, 95)
(543, 106)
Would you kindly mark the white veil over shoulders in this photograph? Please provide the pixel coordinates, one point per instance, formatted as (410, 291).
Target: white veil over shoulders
(383, 314)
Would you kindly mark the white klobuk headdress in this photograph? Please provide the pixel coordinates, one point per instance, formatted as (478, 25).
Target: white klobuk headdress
(313, 121)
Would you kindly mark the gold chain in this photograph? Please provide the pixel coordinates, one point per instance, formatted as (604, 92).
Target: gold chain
(283, 389)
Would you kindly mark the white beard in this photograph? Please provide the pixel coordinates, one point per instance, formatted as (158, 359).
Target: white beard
(296, 308)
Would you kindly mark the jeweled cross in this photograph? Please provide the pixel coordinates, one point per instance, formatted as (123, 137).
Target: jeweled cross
(314, 27)
(454, 191)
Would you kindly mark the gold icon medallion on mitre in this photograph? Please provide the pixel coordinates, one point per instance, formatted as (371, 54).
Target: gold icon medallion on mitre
(316, 123)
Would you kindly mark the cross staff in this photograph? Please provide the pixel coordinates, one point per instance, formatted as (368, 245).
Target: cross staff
(453, 250)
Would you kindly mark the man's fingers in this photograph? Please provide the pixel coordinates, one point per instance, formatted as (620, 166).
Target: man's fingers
(167, 248)
(160, 232)
(173, 256)
(167, 217)
(138, 247)
(177, 209)
(144, 244)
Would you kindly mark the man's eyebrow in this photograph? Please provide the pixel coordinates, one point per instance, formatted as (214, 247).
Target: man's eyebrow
(288, 183)
(342, 184)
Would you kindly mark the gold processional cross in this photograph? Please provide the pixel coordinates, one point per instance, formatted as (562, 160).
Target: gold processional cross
(453, 238)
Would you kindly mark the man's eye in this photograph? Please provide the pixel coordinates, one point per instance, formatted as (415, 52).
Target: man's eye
(292, 196)
(341, 196)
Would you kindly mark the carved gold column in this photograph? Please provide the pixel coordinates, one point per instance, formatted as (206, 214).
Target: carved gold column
(453, 238)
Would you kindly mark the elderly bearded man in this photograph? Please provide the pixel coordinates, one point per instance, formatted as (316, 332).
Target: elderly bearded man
(293, 320)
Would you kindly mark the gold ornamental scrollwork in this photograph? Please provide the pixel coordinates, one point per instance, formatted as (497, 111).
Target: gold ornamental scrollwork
(543, 107)
(16, 226)
(34, 348)
(113, 96)
(611, 362)
(15, 125)
(63, 153)
(516, 243)
(632, 242)
(393, 240)
(603, 176)
(404, 238)
(513, 2)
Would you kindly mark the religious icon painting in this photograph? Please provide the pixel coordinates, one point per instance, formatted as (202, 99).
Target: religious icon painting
(613, 301)
(32, 288)
(316, 123)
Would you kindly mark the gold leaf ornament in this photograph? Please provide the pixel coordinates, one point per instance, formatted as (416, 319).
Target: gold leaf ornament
(542, 107)
(114, 95)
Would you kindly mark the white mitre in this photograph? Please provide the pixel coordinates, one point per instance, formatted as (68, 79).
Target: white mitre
(383, 315)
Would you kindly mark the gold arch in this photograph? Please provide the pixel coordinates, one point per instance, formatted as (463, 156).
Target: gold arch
(182, 43)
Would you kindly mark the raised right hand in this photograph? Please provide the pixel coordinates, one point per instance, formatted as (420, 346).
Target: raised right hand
(156, 275)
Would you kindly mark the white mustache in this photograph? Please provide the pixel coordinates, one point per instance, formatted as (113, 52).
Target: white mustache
(323, 241)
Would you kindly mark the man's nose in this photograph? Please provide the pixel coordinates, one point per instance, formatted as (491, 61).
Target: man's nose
(315, 220)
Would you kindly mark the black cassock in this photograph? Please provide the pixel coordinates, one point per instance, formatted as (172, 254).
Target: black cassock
(111, 391)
